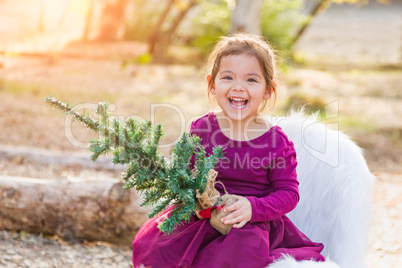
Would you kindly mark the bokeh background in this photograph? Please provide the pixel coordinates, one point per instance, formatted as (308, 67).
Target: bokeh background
(340, 59)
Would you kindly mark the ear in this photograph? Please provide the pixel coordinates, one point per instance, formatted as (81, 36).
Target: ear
(267, 93)
(212, 88)
(269, 90)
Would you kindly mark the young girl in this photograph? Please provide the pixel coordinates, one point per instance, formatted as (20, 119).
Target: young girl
(259, 168)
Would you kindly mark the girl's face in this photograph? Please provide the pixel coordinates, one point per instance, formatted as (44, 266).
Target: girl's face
(240, 87)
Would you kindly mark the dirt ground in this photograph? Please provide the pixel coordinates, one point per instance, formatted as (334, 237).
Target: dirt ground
(367, 105)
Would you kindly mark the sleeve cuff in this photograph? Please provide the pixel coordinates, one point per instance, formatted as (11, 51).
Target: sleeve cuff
(253, 201)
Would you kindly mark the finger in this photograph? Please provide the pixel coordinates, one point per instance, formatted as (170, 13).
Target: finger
(230, 217)
(198, 215)
(239, 225)
(234, 220)
(235, 213)
(232, 207)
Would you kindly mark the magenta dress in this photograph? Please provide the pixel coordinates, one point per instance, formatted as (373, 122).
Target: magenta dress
(264, 171)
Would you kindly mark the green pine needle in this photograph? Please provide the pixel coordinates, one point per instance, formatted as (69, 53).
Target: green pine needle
(135, 144)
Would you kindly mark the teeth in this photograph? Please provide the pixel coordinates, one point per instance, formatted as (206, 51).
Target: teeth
(238, 107)
(237, 99)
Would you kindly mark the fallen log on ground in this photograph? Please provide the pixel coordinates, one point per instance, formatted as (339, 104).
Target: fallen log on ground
(59, 158)
(74, 209)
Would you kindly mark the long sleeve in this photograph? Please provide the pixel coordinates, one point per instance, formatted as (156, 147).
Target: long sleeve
(283, 179)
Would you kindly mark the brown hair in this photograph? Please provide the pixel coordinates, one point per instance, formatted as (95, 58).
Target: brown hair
(253, 45)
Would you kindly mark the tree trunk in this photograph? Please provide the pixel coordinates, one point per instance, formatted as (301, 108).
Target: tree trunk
(319, 5)
(41, 23)
(97, 210)
(88, 20)
(63, 17)
(112, 25)
(246, 17)
(155, 35)
(166, 39)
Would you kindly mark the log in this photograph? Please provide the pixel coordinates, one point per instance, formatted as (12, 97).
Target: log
(59, 158)
(73, 209)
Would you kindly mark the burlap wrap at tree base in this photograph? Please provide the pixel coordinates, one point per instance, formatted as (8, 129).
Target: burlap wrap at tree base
(210, 198)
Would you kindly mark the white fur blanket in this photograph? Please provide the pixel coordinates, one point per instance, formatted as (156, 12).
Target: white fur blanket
(335, 189)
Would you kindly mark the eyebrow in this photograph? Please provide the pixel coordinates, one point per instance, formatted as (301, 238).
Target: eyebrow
(251, 74)
(255, 74)
(226, 71)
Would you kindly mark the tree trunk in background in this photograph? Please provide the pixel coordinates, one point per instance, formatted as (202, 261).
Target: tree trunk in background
(246, 17)
(156, 33)
(112, 24)
(88, 20)
(318, 6)
(41, 23)
(99, 210)
(166, 39)
(159, 40)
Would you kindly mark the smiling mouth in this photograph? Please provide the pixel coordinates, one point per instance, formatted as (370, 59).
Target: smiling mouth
(238, 103)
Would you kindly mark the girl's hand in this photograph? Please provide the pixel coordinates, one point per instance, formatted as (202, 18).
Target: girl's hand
(198, 215)
(240, 212)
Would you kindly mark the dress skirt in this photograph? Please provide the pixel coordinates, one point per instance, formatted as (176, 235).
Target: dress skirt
(198, 244)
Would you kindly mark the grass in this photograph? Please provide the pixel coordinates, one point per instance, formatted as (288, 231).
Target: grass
(38, 91)
(21, 88)
(356, 123)
(314, 104)
(310, 103)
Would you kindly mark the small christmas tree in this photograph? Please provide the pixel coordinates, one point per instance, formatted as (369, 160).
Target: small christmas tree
(163, 183)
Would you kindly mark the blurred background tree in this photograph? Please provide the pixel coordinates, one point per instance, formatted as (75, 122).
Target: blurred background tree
(156, 23)
(194, 24)
(278, 21)
(200, 23)
(246, 16)
(112, 20)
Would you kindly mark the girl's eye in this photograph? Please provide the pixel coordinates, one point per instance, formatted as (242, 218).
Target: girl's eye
(251, 80)
(227, 77)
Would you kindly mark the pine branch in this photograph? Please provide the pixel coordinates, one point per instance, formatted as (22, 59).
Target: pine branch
(135, 144)
(66, 108)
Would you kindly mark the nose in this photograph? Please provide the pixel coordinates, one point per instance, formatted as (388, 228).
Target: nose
(238, 87)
